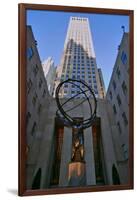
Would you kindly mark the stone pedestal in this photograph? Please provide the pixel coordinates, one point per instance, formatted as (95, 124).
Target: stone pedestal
(76, 174)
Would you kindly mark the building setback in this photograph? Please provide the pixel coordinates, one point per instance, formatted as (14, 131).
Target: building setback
(118, 95)
(78, 60)
(50, 73)
(102, 85)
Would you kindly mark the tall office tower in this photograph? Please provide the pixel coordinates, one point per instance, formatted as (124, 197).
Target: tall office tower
(78, 60)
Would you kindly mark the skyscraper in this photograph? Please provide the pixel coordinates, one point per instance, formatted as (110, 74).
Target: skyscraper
(78, 60)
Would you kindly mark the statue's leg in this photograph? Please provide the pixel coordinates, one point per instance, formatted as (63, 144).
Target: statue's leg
(82, 152)
(73, 154)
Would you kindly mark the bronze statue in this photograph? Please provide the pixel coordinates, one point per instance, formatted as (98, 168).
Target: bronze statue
(77, 141)
(77, 145)
(78, 125)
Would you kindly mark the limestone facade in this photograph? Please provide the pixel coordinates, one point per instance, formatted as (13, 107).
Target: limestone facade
(118, 95)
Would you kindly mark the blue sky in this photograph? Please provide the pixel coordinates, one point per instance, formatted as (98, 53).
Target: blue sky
(50, 28)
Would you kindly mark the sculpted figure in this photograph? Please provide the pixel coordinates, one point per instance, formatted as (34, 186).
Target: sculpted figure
(77, 143)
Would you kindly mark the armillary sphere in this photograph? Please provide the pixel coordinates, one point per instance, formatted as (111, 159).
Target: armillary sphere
(87, 94)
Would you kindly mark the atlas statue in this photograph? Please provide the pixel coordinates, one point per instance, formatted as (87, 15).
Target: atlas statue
(77, 124)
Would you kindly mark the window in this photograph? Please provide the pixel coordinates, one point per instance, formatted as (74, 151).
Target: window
(29, 85)
(34, 99)
(44, 93)
(95, 87)
(118, 100)
(124, 88)
(35, 69)
(62, 76)
(124, 58)
(73, 86)
(78, 77)
(94, 80)
(30, 53)
(40, 83)
(114, 109)
(66, 86)
(124, 118)
(72, 92)
(110, 95)
(33, 130)
(125, 151)
(119, 127)
(93, 77)
(74, 76)
(96, 92)
(118, 73)
(28, 117)
(114, 84)
(39, 108)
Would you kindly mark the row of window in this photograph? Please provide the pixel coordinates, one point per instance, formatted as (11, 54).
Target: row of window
(78, 56)
(79, 67)
(82, 71)
(29, 84)
(76, 51)
(35, 97)
(123, 86)
(78, 48)
(79, 63)
(79, 19)
(118, 99)
(28, 118)
(78, 59)
(77, 91)
(76, 88)
(124, 117)
(79, 39)
(63, 77)
(84, 49)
